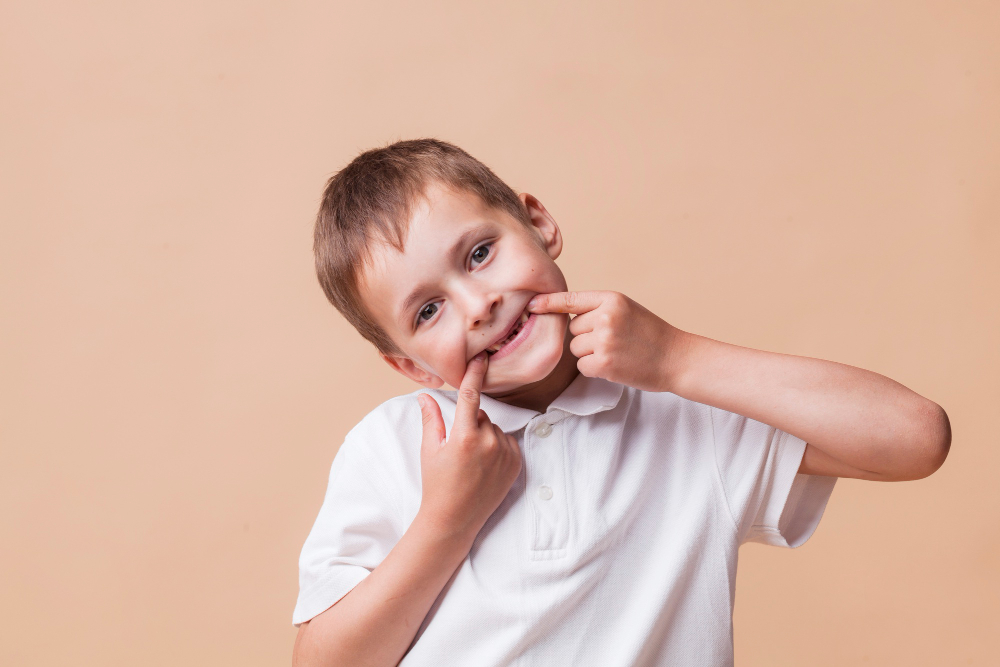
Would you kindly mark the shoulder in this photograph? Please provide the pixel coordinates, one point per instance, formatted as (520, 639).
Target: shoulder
(723, 429)
(391, 427)
(397, 421)
(384, 449)
(662, 407)
(388, 414)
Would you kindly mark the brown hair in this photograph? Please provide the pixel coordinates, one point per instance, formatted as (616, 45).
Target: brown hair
(369, 200)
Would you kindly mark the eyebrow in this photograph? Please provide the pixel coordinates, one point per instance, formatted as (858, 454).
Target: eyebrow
(416, 294)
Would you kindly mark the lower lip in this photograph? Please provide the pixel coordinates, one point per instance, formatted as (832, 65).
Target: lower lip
(521, 336)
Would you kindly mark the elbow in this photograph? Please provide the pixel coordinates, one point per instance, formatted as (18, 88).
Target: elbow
(297, 659)
(932, 441)
(304, 652)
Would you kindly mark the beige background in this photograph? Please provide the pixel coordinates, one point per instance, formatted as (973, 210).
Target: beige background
(817, 178)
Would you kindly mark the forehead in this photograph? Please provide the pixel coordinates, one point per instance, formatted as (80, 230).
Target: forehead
(442, 223)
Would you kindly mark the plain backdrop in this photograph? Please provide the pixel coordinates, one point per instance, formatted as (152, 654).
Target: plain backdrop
(817, 178)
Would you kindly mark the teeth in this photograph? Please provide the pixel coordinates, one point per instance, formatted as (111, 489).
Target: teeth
(517, 328)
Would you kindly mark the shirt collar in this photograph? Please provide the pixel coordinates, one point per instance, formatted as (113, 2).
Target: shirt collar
(584, 396)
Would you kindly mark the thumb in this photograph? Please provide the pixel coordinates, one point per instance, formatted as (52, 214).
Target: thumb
(433, 423)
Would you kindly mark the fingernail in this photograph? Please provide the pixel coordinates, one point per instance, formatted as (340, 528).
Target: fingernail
(480, 357)
(533, 302)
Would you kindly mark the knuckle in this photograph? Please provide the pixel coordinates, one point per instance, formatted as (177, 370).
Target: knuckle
(468, 394)
(592, 364)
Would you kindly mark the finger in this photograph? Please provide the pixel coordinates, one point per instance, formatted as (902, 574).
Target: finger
(565, 302)
(583, 345)
(433, 424)
(582, 324)
(512, 443)
(506, 441)
(589, 366)
(467, 411)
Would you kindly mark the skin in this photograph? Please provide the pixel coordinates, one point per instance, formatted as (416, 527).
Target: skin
(473, 297)
(857, 423)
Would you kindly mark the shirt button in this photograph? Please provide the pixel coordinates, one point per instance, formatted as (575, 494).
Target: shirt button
(543, 430)
(544, 492)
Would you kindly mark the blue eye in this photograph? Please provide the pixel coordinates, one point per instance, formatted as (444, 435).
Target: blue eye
(481, 253)
(428, 311)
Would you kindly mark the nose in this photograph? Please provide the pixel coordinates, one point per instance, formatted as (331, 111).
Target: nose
(481, 307)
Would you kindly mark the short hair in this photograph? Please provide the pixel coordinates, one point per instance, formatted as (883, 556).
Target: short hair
(369, 201)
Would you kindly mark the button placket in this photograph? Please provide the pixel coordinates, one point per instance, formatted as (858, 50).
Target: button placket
(545, 469)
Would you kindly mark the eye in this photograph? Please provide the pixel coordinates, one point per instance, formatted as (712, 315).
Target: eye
(427, 312)
(480, 254)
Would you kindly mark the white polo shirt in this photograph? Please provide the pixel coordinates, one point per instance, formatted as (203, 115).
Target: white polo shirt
(617, 544)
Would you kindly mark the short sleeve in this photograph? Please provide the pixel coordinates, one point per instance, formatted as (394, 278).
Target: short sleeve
(356, 528)
(770, 502)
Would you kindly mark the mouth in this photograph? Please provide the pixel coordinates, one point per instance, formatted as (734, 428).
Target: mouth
(515, 328)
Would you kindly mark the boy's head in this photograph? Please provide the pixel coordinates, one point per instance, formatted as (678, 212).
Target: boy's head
(433, 258)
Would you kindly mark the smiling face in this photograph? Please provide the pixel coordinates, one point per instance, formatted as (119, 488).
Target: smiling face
(461, 286)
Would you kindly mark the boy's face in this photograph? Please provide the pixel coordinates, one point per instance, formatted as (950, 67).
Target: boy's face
(461, 284)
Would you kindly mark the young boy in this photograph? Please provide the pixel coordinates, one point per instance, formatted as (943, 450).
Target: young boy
(580, 500)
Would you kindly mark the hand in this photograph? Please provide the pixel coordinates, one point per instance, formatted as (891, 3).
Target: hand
(466, 478)
(616, 338)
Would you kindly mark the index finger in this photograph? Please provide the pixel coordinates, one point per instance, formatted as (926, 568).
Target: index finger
(565, 302)
(467, 411)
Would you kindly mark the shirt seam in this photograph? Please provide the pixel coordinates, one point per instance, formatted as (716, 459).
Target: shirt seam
(718, 473)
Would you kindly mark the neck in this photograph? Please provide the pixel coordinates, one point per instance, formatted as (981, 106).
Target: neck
(539, 395)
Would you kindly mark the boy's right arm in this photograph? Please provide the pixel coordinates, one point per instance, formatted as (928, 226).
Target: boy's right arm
(464, 480)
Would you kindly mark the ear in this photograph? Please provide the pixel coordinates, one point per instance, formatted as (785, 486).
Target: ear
(544, 224)
(410, 369)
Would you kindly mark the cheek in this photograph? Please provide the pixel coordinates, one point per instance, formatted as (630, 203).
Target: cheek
(541, 275)
(444, 351)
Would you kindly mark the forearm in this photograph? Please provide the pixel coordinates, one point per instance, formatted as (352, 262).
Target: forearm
(862, 419)
(377, 620)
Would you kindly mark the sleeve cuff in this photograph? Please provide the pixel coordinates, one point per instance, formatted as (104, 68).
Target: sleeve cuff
(804, 508)
(792, 522)
(327, 591)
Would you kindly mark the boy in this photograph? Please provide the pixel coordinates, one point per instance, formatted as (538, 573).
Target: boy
(580, 500)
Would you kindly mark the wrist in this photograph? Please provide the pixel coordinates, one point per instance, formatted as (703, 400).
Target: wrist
(448, 533)
(676, 362)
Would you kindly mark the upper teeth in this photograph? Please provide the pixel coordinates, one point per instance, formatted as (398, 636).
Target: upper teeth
(496, 346)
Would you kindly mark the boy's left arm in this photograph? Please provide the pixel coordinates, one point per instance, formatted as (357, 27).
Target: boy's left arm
(857, 423)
